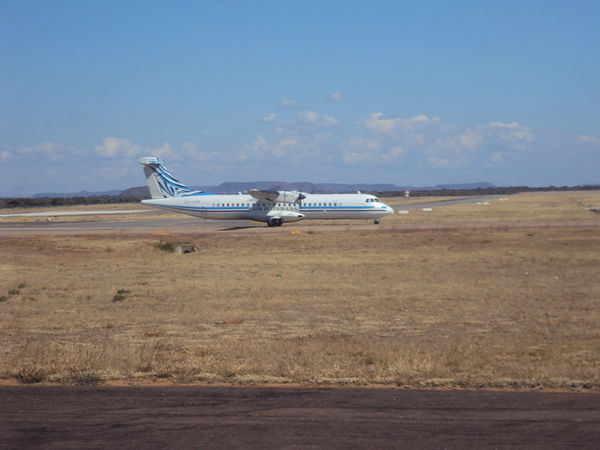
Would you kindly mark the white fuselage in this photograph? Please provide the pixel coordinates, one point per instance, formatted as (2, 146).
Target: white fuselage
(244, 206)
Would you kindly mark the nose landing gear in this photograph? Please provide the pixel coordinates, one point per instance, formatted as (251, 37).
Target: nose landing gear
(376, 221)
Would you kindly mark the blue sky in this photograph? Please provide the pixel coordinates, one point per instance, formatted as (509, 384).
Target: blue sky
(404, 92)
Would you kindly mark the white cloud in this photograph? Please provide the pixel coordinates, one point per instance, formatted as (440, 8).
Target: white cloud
(113, 147)
(51, 150)
(306, 122)
(77, 151)
(394, 152)
(358, 149)
(191, 150)
(256, 150)
(461, 143)
(4, 154)
(516, 136)
(114, 172)
(316, 120)
(262, 148)
(290, 147)
(161, 152)
(589, 139)
(360, 143)
(498, 157)
(271, 117)
(493, 142)
(288, 103)
(378, 122)
(444, 163)
(336, 97)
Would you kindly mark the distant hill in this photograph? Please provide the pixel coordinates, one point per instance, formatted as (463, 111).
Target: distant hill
(136, 192)
(381, 190)
(479, 185)
(233, 187)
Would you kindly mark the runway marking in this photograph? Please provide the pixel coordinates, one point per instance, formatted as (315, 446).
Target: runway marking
(164, 234)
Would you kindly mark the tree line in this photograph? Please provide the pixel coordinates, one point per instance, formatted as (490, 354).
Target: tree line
(507, 190)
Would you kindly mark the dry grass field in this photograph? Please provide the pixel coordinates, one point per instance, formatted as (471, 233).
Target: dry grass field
(514, 308)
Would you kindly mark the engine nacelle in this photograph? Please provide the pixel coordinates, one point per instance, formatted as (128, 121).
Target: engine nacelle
(285, 216)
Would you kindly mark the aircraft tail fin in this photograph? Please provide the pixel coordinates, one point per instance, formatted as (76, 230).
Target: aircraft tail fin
(161, 183)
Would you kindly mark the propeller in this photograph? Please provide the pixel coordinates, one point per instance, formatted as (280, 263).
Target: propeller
(301, 196)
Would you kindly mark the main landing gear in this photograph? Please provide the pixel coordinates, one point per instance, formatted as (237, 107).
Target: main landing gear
(376, 221)
(274, 222)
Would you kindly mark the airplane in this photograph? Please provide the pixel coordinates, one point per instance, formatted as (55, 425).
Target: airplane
(261, 205)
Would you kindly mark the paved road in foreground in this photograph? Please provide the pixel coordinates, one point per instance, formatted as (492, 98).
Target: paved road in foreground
(271, 417)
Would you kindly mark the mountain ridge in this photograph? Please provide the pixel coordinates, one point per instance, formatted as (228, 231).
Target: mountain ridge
(235, 187)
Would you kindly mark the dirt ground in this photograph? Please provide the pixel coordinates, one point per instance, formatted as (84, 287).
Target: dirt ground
(489, 307)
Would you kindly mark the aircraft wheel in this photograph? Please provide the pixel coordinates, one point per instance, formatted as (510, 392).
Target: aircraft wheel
(273, 222)
(376, 221)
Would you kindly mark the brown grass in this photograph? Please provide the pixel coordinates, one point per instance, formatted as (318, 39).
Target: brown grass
(515, 308)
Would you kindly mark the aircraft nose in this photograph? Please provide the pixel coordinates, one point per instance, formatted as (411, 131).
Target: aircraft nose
(387, 209)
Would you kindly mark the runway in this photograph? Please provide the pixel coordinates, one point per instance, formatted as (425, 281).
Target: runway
(183, 224)
(186, 225)
(272, 417)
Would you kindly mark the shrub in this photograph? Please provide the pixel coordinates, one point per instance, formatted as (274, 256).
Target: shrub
(165, 246)
(120, 295)
(83, 378)
(31, 376)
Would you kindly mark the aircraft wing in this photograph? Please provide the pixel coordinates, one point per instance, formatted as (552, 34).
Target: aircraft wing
(276, 196)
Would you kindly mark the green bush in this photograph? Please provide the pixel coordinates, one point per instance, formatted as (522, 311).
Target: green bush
(165, 246)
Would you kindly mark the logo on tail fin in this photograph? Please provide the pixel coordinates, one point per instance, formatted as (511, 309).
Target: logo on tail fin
(161, 183)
